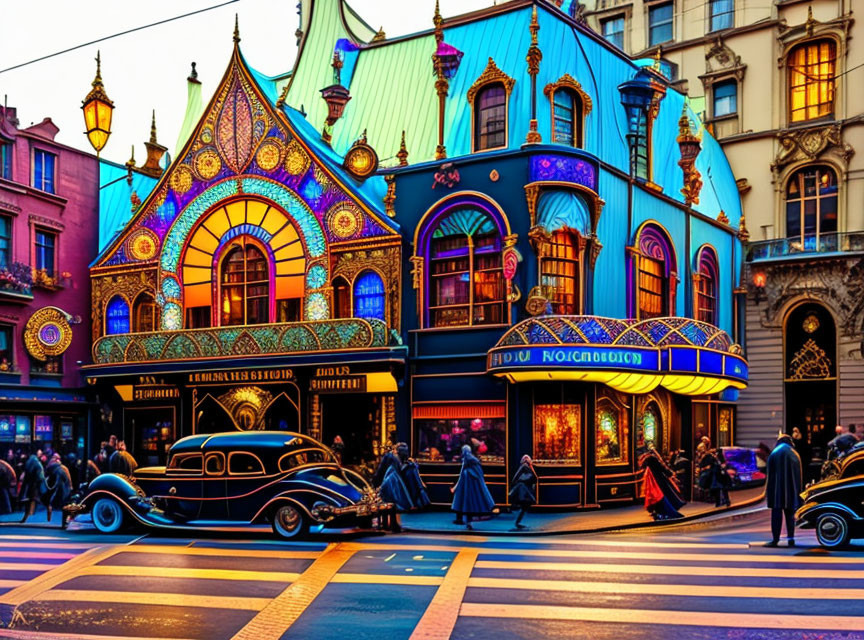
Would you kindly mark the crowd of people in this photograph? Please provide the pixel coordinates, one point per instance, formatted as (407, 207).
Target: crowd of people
(29, 478)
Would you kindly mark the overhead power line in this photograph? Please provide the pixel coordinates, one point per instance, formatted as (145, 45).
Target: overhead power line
(116, 35)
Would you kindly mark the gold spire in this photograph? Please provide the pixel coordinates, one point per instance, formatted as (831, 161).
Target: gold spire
(743, 233)
(98, 90)
(403, 152)
(380, 35)
(236, 29)
(130, 163)
(438, 21)
(153, 128)
(535, 26)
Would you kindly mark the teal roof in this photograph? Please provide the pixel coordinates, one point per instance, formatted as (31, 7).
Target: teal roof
(115, 203)
(392, 88)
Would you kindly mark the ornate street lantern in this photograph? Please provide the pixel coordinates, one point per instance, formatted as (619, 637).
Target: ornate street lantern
(98, 109)
(446, 60)
(689, 145)
(636, 97)
(336, 96)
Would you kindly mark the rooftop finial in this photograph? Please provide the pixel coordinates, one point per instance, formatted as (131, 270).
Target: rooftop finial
(130, 163)
(236, 29)
(193, 76)
(534, 27)
(153, 128)
(337, 67)
(98, 77)
(438, 21)
(403, 152)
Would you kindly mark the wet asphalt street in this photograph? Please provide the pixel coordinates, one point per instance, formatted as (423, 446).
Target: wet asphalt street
(706, 581)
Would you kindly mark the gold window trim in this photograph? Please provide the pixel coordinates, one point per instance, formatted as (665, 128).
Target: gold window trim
(491, 75)
(569, 82)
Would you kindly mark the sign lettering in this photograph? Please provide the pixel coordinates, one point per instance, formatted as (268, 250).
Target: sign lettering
(164, 392)
(244, 375)
(344, 384)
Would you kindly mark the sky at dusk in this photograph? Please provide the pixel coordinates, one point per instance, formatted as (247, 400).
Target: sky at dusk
(147, 70)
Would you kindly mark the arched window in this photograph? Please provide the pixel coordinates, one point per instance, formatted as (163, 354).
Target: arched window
(654, 274)
(650, 427)
(811, 80)
(465, 283)
(611, 431)
(567, 118)
(341, 298)
(117, 316)
(811, 205)
(245, 285)
(706, 281)
(144, 314)
(490, 117)
(369, 296)
(560, 271)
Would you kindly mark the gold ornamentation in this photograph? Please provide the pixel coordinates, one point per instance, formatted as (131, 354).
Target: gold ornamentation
(246, 406)
(361, 161)
(493, 175)
(296, 160)
(386, 263)
(344, 220)
(402, 155)
(689, 141)
(390, 198)
(722, 218)
(129, 285)
(47, 333)
(181, 179)
(537, 300)
(208, 164)
(810, 363)
(490, 74)
(143, 244)
(532, 192)
(743, 234)
(269, 154)
(569, 82)
(811, 323)
(207, 134)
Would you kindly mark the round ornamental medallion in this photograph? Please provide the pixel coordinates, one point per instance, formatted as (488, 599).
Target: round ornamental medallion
(811, 323)
(207, 164)
(344, 221)
(361, 161)
(181, 179)
(207, 134)
(47, 333)
(143, 244)
(296, 160)
(269, 154)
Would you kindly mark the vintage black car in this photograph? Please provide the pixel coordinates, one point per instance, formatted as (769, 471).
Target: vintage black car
(833, 507)
(227, 479)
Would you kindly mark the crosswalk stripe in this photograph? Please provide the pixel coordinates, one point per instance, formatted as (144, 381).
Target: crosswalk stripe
(36, 543)
(642, 588)
(441, 615)
(149, 598)
(623, 543)
(37, 555)
(27, 566)
(689, 557)
(30, 538)
(378, 578)
(20, 634)
(663, 617)
(272, 622)
(11, 584)
(215, 551)
(647, 569)
(187, 572)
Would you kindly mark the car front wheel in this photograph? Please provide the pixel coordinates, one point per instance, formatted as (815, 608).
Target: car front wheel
(107, 515)
(289, 522)
(832, 531)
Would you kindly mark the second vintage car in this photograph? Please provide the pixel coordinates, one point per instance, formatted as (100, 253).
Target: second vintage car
(833, 507)
(222, 480)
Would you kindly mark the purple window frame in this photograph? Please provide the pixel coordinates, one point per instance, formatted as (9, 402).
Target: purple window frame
(652, 242)
(707, 264)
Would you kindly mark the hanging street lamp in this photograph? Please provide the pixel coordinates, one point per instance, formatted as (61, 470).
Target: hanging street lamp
(98, 109)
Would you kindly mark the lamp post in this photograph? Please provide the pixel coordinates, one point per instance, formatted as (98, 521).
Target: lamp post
(445, 63)
(98, 110)
(637, 96)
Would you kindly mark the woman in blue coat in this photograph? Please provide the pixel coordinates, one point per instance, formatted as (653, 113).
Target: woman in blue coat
(471, 497)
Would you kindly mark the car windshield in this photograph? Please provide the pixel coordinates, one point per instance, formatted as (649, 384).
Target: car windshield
(854, 468)
(185, 463)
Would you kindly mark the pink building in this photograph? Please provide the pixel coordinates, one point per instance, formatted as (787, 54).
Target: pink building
(49, 225)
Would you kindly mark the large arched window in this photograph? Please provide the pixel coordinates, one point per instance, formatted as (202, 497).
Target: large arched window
(465, 282)
(560, 271)
(117, 316)
(369, 296)
(706, 284)
(144, 313)
(655, 274)
(244, 284)
(490, 117)
(611, 430)
(811, 204)
(341, 298)
(811, 80)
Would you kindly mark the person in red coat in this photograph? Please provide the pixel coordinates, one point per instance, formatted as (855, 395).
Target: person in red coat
(662, 499)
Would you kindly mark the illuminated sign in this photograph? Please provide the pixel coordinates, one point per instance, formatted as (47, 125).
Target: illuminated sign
(244, 375)
(344, 384)
(579, 356)
(159, 392)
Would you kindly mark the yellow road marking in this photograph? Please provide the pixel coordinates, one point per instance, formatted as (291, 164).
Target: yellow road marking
(212, 551)
(375, 578)
(56, 575)
(186, 572)
(647, 569)
(641, 588)
(624, 543)
(37, 555)
(161, 599)
(36, 543)
(272, 622)
(648, 616)
(440, 616)
(11, 584)
(16, 634)
(27, 566)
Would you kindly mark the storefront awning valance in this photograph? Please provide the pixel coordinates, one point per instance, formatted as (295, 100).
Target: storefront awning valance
(684, 356)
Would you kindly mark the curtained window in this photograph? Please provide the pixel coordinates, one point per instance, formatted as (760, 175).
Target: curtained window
(811, 80)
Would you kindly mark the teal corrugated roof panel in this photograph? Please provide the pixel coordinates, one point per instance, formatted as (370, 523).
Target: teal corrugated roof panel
(115, 205)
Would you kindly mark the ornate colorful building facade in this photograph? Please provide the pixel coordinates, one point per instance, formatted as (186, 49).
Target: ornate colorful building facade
(499, 232)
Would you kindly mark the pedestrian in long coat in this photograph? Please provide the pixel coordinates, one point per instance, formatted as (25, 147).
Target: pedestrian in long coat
(523, 492)
(59, 482)
(713, 477)
(662, 498)
(411, 478)
(8, 482)
(33, 485)
(389, 459)
(121, 461)
(471, 496)
(783, 492)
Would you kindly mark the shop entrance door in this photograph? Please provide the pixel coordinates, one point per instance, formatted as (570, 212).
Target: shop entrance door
(152, 432)
(352, 417)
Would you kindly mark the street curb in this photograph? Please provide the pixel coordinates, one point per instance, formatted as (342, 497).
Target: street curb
(732, 513)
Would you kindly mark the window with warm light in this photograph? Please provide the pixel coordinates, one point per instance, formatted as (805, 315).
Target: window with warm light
(650, 428)
(706, 281)
(811, 206)
(341, 298)
(244, 285)
(443, 428)
(490, 117)
(43, 170)
(46, 245)
(611, 431)
(811, 80)
(144, 314)
(721, 14)
(560, 272)
(653, 272)
(117, 316)
(660, 23)
(613, 30)
(557, 425)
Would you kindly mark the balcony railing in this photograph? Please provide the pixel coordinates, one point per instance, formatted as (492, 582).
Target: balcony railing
(808, 245)
(222, 342)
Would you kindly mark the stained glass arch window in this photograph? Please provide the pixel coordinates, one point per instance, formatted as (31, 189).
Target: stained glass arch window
(369, 296)
(117, 316)
(655, 273)
(611, 432)
(706, 284)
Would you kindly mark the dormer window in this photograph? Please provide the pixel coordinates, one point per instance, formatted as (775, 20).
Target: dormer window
(570, 105)
(489, 96)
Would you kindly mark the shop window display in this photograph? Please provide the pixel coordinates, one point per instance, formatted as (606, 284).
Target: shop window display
(611, 432)
(556, 433)
(443, 429)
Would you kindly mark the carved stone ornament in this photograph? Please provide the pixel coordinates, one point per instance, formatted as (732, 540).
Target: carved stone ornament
(490, 74)
(721, 57)
(385, 262)
(569, 82)
(801, 145)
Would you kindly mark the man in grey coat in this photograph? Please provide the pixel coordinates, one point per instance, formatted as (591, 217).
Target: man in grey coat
(784, 488)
